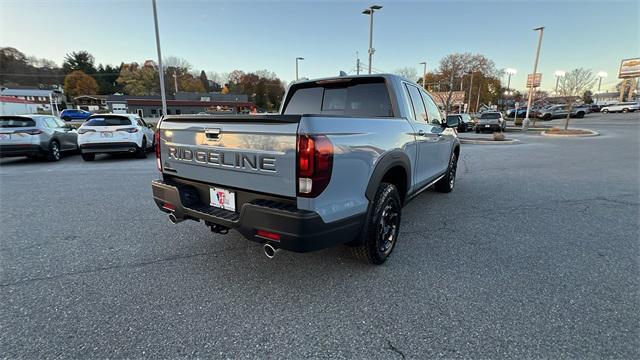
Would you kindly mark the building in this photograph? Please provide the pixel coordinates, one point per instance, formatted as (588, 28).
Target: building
(179, 104)
(91, 103)
(606, 98)
(10, 105)
(46, 100)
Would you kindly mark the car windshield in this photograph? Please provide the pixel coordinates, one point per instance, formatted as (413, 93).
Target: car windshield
(452, 119)
(490, 116)
(107, 121)
(11, 122)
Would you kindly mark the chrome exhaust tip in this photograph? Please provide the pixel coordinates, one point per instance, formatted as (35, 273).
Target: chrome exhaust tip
(270, 250)
(173, 219)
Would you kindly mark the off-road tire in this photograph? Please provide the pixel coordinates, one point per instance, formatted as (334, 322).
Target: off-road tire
(448, 182)
(54, 153)
(382, 226)
(88, 157)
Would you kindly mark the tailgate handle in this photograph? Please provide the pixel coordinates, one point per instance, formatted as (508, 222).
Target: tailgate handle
(212, 134)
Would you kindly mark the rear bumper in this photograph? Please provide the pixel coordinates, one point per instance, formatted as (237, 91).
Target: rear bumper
(486, 127)
(20, 150)
(111, 147)
(299, 230)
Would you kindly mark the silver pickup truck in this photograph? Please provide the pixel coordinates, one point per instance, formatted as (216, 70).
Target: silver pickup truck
(334, 167)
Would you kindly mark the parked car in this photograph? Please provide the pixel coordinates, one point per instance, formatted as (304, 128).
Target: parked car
(335, 167)
(114, 133)
(594, 108)
(35, 136)
(522, 112)
(462, 122)
(74, 114)
(560, 111)
(492, 121)
(621, 107)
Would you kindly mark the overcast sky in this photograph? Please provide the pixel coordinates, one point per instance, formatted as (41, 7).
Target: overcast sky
(250, 35)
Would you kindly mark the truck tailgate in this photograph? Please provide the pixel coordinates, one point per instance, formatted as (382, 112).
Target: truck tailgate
(256, 153)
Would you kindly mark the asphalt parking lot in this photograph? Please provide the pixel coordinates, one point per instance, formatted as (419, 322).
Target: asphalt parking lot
(534, 254)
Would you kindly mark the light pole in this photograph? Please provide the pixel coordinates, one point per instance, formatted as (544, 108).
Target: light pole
(470, 89)
(601, 75)
(160, 68)
(175, 82)
(298, 59)
(510, 72)
(558, 74)
(424, 75)
(369, 11)
(525, 123)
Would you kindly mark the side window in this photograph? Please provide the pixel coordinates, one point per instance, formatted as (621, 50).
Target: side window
(432, 109)
(140, 123)
(59, 122)
(50, 122)
(419, 111)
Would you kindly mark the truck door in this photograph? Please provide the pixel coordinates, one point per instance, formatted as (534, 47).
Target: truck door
(444, 136)
(426, 140)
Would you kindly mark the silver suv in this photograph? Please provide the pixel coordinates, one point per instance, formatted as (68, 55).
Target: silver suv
(35, 136)
(621, 107)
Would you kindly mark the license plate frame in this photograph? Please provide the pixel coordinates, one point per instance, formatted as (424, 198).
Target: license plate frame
(106, 134)
(487, 126)
(222, 198)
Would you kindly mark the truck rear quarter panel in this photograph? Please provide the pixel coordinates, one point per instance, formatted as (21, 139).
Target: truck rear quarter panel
(358, 144)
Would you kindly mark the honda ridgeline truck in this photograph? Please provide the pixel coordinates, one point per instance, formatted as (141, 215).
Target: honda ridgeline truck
(334, 167)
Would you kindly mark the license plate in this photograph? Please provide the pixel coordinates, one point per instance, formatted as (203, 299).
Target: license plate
(222, 198)
(106, 134)
(5, 137)
(487, 126)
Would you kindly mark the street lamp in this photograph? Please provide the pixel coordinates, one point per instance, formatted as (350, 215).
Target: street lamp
(298, 59)
(369, 11)
(525, 123)
(160, 68)
(558, 74)
(601, 75)
(424, 75)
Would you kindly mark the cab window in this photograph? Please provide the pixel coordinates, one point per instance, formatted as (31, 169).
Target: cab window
(432, 109)
(419, 110)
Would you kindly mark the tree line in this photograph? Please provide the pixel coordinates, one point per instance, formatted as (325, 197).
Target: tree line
(80, 75)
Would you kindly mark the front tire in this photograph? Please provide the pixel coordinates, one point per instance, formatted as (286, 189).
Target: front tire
(54, 151)
(605, 111)
(142, 150)
(380, 232)
(446, 184)
(625, 110)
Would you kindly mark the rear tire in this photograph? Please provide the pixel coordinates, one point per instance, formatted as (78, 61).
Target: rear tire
(580, 115)
(88, 157)
(625, 110)
(380, 233)
(605, 111)
(142, 151)
(447, 183)
(54, 151)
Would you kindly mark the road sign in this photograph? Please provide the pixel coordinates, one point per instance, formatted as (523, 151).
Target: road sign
(534, 81)
(629, 68)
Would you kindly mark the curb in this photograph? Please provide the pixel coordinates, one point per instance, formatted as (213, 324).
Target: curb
(489, 142)
(592, 133)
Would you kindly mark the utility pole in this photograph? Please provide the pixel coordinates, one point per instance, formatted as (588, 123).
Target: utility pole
(525, 122)
(470, 89)
(298, 59)
(369, 11)
(175, 82)
(357, 64)
(160, 68)
(478, 100)
(424, 75)
(558, 74)
(601, 75)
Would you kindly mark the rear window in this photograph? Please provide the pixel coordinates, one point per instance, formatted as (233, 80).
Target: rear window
(107, 121)
(490, 116)
(357, 98)
(11, 122)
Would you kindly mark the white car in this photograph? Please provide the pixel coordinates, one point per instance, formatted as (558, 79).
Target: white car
(621, 107)
(114, 133)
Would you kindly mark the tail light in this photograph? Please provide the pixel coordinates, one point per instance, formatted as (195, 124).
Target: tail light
(157, 149)
(29, 132)
(129, 130)
(315, 162)
(84, 131)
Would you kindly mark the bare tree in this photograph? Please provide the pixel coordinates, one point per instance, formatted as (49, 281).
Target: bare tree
(407, 72)
(573, 85)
